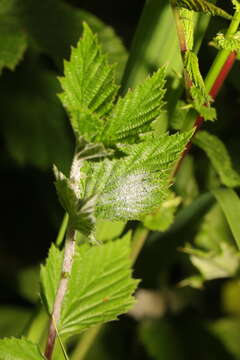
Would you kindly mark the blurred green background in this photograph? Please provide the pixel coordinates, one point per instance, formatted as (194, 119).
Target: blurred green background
(188, 323)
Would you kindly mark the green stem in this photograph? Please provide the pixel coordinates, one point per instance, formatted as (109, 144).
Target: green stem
(85, 343)
(62, 230)
(222, 55)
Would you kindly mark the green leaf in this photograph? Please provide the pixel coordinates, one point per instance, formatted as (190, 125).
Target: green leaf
(13, 42)
(88, 85)
(203, 6)
(230, 204)
(219, 157)
(19, 349)
(133, 186)
(163, 217)
(232, 43)
(134, 113)
(215, 264)
(79, 209)
(50, 276)
(100, 286)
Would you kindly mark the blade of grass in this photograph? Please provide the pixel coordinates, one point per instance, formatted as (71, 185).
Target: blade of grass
(230, 205)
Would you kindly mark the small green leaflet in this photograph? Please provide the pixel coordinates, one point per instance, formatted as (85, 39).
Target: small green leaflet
(200, 99)
(203, 6)
(232, 43)
(134, 113)
(88, 85)
(219, 157)
(19, 349)
(99, 289)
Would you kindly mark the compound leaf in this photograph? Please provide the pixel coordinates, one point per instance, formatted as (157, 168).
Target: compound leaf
(19, 349)
(219, 157)
(88, 85)
(134, 113)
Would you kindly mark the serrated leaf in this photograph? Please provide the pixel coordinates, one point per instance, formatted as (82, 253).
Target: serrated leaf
(163, 217)
(50, 275)
(19, 349)
(187, 18)
(88, 85)
(203, 6)
(134, 113)
(131, 187)
(219, 157)
(99, 289)
(231, 43)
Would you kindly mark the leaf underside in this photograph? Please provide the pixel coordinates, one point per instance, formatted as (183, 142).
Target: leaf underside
(19, 349)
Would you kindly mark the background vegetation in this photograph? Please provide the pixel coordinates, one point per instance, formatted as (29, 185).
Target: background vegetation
(187, 322)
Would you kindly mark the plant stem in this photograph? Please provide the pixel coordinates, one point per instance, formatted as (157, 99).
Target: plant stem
(62, 288)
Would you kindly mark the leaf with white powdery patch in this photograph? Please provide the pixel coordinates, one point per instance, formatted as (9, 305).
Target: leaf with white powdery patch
(100, 286)
(19, 349)
(133, 186)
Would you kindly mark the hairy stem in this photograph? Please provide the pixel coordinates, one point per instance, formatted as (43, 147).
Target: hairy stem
(61, 291)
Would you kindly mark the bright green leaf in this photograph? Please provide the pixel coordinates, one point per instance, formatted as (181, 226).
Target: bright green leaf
(19, 349)
(134, 113)
(99, 289)
(219, 157)
(231, 43)
(88, 85)
(50, 276)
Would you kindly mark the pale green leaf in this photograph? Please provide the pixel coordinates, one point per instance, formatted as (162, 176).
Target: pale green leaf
(88, 85)
(219, 157)
(163, 217)
(230, 204)
(50, 276)
(133, 186)
(134, 113)
(100, 286)
(203, 6)
(187, 18)
(19, 349)
(215, 264)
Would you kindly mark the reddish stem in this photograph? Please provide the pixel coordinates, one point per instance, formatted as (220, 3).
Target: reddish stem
(218, 83)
